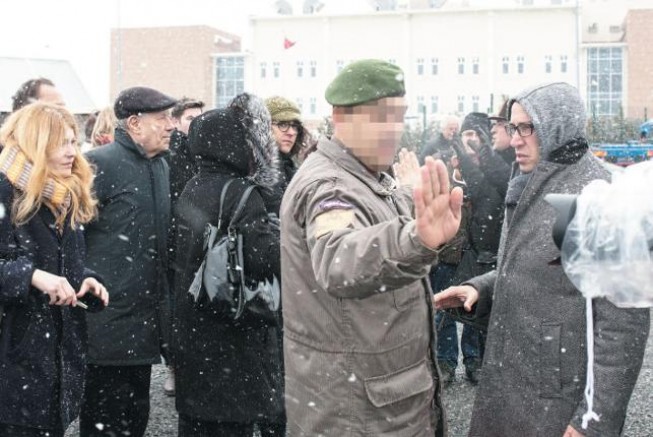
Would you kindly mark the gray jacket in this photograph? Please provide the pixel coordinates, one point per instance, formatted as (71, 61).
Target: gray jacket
(535, 360)
(358, 323)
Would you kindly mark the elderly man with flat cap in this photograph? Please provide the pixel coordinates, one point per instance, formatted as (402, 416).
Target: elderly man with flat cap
(359, 334)
(127, 246)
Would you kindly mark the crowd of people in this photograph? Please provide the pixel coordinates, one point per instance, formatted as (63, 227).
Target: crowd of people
(378, 253)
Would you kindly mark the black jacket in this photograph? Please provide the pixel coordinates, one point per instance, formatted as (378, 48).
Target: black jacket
(484, 223)
(226, 370)
(42, 346)
(127, 246)
(497, 167)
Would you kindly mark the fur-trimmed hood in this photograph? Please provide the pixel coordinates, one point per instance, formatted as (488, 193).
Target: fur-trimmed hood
(237, 140)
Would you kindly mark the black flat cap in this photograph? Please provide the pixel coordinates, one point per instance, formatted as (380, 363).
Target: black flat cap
(140, 99)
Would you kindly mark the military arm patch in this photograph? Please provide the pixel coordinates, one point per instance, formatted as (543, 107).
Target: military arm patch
(333, 220)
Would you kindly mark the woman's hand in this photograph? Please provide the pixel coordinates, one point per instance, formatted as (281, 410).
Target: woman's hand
(56, 287)
(97, 289)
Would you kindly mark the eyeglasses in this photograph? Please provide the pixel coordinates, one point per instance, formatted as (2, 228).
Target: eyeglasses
(285, 125)
(523, 129)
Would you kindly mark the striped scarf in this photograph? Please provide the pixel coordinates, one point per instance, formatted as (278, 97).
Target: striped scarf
(18, 169)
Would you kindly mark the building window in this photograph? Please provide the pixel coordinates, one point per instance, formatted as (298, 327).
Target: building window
(300, 68)
(434, 66)
(313, 68)
(505, 64)
(339, 66)
(520, 64)
(392, 61)
(461, 104)
(461, 65)
(475, 66)
(547, 64)
(300, 104)
(313, 105)
(563, 64)
(420, 67)
(264, 67)
(230, 78)
(275, 70)
(475, 103)
(421, 108)
(604, 80)
(615, 29)
(435, 104)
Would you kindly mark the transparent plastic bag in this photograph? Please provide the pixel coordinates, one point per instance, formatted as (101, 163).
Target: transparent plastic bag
(606, 251)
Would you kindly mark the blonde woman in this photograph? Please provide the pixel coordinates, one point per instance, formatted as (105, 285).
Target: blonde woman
(104, 128)
(45, 198)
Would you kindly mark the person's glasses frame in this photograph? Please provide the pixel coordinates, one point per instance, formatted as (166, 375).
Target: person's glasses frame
(523, 129)
(284, 126)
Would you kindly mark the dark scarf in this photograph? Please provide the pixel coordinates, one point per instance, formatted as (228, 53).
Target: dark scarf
(569, 153)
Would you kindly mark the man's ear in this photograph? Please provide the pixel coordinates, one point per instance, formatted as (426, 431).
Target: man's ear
(134, 123)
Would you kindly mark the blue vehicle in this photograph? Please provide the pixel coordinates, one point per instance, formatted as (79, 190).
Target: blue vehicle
(630, 152)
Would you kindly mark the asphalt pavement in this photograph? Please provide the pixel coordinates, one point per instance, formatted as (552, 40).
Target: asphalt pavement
(458, 399)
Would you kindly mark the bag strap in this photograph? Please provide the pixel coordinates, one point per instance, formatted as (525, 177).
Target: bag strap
(222, 196)
(241, 205)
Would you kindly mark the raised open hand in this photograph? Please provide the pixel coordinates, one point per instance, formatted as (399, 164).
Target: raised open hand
(437, 211)
(406, 169)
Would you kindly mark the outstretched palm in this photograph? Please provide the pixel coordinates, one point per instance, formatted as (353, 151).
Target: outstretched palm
(437, 211)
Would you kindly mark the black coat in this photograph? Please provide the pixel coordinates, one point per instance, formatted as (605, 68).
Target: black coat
(484, 223)
(42, 346)
(225, 370)
(127, 246)
(497, 167)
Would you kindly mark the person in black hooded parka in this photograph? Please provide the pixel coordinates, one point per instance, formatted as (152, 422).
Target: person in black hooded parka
(228, 372)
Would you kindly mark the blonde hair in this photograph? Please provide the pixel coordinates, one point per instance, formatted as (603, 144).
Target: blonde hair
(104, 128)
(36, 130)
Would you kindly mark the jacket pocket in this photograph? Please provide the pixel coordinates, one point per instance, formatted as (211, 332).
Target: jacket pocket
(407, 296)
(398, 386)
(550, 383)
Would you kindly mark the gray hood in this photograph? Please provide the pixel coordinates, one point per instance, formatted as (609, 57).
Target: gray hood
(558, 114)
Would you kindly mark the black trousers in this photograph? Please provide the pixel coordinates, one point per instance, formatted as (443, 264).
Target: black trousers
(116, 401)
(190, 427)
(21, 431)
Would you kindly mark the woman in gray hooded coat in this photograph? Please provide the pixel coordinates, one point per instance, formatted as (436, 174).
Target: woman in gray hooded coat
(535, 360)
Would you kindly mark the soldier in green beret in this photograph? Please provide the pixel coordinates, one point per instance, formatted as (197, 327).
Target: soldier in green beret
(358, 322)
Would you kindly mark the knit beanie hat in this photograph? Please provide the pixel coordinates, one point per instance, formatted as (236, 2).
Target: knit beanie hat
(282, 109)
(476, 121)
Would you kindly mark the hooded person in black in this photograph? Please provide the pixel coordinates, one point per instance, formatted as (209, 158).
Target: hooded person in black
(228, 372)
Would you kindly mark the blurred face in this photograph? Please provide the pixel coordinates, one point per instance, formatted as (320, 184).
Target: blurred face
(285, 134)
(62, 157)
(372, 131)
(500, 138)
(49, 94)
(450, 129)
(152, 131)
(527, 147)
(183, 123)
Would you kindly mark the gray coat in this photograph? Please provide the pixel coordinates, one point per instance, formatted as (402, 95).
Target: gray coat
(535, 359)
(358, 323)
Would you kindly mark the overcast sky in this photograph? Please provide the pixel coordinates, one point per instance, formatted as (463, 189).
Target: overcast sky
(79, 30)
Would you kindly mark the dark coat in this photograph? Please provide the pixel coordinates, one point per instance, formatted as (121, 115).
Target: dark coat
(439, 145)
(42, 346)
(497, 166)
(484, 222)
(226, 370)
(127, 246)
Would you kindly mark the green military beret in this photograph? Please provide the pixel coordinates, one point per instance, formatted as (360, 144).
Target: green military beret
(282, 109)
(364, 81)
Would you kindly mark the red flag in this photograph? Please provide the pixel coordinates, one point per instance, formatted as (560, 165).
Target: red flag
(287, 43)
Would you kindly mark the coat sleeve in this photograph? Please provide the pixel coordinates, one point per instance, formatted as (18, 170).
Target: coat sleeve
(620, 337)
(16, 269)
(351, 256)
(495, 168)
(261, 248)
